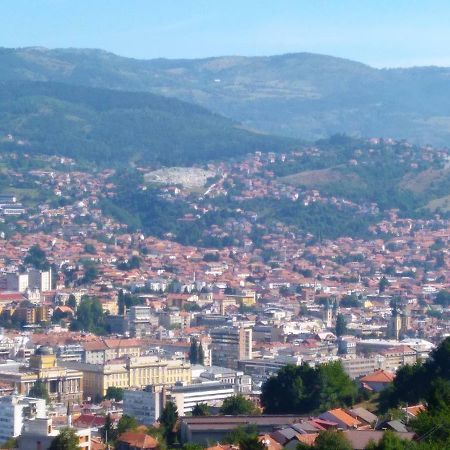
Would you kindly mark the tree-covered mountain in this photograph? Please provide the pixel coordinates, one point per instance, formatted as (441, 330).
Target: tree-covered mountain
(302, 95)
(104, 125)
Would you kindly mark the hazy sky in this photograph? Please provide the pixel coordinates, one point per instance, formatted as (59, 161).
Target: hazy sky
(382, 33)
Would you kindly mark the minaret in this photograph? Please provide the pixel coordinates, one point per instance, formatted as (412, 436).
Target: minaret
(328, 314)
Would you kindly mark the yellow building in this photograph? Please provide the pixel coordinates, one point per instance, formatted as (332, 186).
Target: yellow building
(134, 372)
(62, 384)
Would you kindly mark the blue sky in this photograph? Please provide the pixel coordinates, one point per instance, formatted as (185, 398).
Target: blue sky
(382, 33)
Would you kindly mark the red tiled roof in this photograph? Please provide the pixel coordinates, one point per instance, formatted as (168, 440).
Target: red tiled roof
(379, 376)
(140, 441)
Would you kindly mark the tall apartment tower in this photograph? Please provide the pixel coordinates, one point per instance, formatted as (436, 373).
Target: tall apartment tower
(40, 279)
(229, 344)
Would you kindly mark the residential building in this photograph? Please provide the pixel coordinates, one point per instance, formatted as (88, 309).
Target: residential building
(14, 409)
(229, 344)
(38, 434)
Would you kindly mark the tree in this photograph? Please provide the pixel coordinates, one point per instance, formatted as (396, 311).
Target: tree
(443, 298)
(39, 390)
(114, 393)
(303, 389)
(201, 409)
(126, 423)
(168, 420)
(193, 351)
(239, 433)
(390, 441)
(37, 258)
(90, 316)
(329, 440)
(107, 432)
(251, 443)
(237, 405)
(72, 302)
(66, 440)
(341, 325)
(200, 354)
(383, 284)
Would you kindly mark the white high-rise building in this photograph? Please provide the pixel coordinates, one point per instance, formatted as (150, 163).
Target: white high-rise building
(17, 282)
(14, 409)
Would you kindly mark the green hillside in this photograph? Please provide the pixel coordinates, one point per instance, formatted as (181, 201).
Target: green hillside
(115, 126)
(303, 95)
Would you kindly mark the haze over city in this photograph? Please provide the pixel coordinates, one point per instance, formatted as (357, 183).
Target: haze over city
(224, 225)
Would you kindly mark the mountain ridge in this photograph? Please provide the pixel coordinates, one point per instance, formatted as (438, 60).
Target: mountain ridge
(302, 95)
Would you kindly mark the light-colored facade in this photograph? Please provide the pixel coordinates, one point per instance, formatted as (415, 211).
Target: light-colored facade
(17, 282)
(144, 405)
(40, 279)
(14, 409)
(39, 433)
(213, 393)
(135, 372)
(229, 344)
(63, 385)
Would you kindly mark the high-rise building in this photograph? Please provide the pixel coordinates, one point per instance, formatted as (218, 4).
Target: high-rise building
(144, 405)
(17, 281)
(229, 344)
(40, 279)
(14, 409)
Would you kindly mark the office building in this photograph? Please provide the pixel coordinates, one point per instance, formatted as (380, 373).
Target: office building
(144, 405)
(229, 344)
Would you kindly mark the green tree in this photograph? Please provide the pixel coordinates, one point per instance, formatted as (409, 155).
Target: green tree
(90, 316)
(383, 284)
(303, 389)
(114, 392)
(39, 390)
(72, 302)
(200, 354)
(193, 351)
(251, 443)
(66, 440)
(11, 443)
(107, 432)
(329, 440)
(237, 405)
(201, 409)
(126, 423)
(390, 441)
(37, 258)
(341, 325)
(443, 298)
(168, 420)
(239, 433)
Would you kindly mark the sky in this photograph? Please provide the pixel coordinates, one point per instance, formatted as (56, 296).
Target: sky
(381, 33)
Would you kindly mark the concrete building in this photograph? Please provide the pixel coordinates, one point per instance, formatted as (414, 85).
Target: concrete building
(130, 372)
(213, 393)
(141, 321)
(38, 434)
(40, 279)
(17, 282)
(144, 405)
(14, 409)
(229, 344)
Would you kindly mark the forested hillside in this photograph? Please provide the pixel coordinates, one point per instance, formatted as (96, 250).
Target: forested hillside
(112, 127)
(303, 95)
